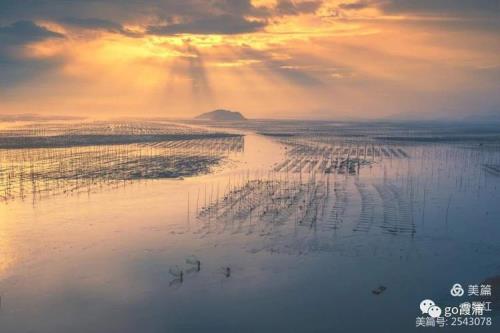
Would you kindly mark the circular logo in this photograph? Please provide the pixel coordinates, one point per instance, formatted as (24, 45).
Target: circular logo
(457, 290)
(425, 305)
(435, 311)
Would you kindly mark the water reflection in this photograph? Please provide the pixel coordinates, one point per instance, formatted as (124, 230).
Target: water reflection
(7, 251)
(258, 248)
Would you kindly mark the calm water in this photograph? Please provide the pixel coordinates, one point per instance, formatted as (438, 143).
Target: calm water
(100, 262)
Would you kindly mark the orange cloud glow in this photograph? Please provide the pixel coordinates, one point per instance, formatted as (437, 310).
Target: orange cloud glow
(332, 59)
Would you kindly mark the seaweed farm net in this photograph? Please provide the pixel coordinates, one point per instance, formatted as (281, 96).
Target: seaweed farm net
(334, 156)
(325, 195)
(95, 128)
(297, 215)
(46, 171)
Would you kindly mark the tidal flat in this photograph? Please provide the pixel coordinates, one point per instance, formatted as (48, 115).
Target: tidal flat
(255, 226)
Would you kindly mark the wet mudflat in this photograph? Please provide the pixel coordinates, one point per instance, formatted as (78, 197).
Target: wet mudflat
(290, 233)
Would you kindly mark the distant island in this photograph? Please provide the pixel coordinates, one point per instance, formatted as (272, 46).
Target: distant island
(221, 115)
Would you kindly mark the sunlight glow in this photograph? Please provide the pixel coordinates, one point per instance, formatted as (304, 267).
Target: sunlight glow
(100, 71)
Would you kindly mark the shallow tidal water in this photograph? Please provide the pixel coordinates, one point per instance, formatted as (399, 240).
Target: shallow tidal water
(101, 262)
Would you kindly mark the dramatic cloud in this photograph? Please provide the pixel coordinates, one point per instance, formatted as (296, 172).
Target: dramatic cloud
(221, 24)
(289, 7)
(443, 7)
(354, 5)
(300, 75)
(22, 32)
(300, 58)
(93, 23)
(97, 24)
(15, 64)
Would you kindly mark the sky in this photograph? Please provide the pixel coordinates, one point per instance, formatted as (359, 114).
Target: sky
(305, 59)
